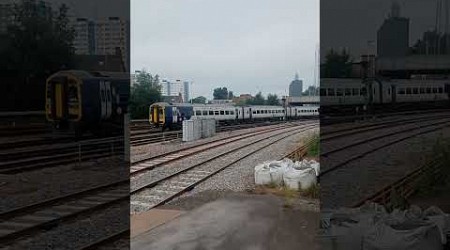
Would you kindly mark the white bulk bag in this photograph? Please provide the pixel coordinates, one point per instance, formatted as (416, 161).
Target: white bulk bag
(262, 174)
(404, 236)
(299, 178)
(316, 166)
(270, 173)
(441, 219)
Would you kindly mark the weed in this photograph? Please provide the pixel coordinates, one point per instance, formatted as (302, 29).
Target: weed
(311, 192)
(314, 146)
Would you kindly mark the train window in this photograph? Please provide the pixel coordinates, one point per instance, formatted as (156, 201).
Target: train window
(428, 90)
(205, 112)
(216, 112)
(363, 91)
(265, 111)
(401, 91)
(73, 93)
(415, 91)
(231, 112)
(348, 92)
(198, 112)
(330, 92)
(422, 90)
(339, 92)
(284, 111)
(408, 91)
(254, 112)
(211, 112)
(227, 112)
(257, 111)
(323, 92)
(355, 91)
(440, 90)
(434, 90)
(222, 112)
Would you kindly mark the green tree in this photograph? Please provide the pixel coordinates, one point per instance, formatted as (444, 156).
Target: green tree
(38, 43)
(220, 93)
(145, 92)
(199, 99)
(272, 99)
(312, 90)
(230, 95)
(337, 65)
(257, 100)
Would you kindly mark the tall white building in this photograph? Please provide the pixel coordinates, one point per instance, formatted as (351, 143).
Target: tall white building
(102, 37)
(175, 88)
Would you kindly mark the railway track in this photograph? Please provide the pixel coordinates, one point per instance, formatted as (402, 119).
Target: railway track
(158, 160)
(172, 185)
(340, 155)
(145, 137)
(404, 186)
(28, 159)
(108, 240)
(416, 131)
(26, 221)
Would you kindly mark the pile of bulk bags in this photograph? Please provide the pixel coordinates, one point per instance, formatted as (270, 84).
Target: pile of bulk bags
(294, 175)
(198, 128)
(371, 227)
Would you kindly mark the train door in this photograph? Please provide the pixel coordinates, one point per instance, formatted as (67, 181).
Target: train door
(393, 93)
(105, 99)
(250, 113)
(237, 116)
(174, 115)
(102, 100)
(108, 99)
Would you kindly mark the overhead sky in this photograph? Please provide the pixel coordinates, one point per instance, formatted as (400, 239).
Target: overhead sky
(246, 46)
(352, 23)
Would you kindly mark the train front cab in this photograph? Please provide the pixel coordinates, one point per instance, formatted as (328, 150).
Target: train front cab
(157, 115)
(63, 100)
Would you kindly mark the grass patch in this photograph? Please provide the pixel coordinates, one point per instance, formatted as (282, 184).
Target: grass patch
(311, 192)
(431, 183)
(313, 149)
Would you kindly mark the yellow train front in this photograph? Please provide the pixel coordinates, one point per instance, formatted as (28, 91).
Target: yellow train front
(82, 101)
(158, 115)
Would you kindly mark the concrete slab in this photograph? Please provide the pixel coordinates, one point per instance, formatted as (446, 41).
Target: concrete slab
(147, 221)
(238, 222)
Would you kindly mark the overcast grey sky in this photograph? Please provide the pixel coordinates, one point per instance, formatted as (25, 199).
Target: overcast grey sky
(352, 23)
(246, 46)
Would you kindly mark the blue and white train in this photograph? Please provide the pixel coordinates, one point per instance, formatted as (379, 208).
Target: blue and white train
(170, 116)
(352, 92)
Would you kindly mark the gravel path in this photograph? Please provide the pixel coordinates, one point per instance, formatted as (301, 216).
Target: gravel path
(375, 170)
